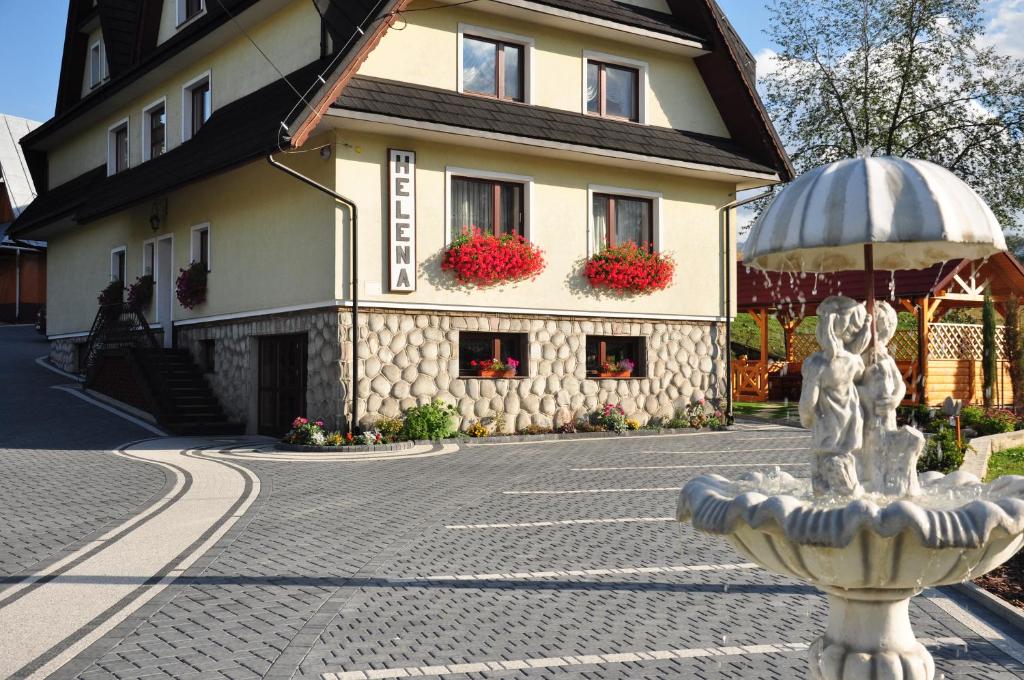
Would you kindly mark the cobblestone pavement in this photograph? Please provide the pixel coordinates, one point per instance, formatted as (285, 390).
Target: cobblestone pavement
(407, 567)
(59, 485)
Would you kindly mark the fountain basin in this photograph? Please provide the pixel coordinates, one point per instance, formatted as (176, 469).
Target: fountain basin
(870, 556)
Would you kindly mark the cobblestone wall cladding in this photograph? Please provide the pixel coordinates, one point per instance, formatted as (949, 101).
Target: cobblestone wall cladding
(409, 358)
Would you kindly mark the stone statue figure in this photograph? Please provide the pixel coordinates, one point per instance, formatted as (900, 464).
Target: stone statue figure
(887, 461)
(829, 402)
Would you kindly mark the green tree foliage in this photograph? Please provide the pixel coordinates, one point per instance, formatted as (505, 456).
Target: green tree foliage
(1015, 353)
(988, 349)
(913, 78)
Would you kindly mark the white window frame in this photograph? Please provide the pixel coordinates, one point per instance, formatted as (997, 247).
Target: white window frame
(526, 42)
(644, 80)
(112, 146)
(101, 70)
(146, 127)
(149, 248)
(113, 252)
(451, 172)
(194, 244)
(186, 102)
(655, 197)
(182, 20)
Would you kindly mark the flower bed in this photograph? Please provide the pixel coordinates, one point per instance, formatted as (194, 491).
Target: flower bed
(478, 259)
(191, 285)
(631, 269)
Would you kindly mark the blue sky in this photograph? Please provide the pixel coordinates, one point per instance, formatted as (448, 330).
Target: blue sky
(31, 53)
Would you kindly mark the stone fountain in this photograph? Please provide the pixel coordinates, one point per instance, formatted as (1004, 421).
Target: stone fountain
(866, 529)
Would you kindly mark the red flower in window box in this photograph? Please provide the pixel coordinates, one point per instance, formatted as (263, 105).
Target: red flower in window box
(495, 368)
(630, 268)
(482, 260)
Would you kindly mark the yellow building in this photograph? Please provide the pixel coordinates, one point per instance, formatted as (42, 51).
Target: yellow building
(572, 127)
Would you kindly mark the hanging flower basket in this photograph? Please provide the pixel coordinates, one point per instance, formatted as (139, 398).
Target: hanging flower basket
(481, 260)
(191, 286)
(140, 293)
(111, 295)
(631, 269)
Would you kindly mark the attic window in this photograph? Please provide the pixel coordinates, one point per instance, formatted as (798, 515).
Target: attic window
(614, 87)
(97, 64)
(189, 10)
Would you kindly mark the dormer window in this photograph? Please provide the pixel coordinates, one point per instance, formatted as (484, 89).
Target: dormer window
(615, 89)
(196, 105)
(494, 64)
(117, 148)
(189, 10)
(97, 64)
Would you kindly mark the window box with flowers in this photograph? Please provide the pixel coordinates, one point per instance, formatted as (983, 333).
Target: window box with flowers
(191, 285)
(630, 269)
(495, 368)
(140, 293)
(479, 259)
(617, 369)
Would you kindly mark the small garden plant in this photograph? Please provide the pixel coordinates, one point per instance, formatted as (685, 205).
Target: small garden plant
(431, 421)
(191, 285)
(612, 418)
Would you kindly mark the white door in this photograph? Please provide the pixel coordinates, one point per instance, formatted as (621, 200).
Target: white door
(165, 287)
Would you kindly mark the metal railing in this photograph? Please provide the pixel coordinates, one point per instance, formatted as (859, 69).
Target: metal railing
(117, 326)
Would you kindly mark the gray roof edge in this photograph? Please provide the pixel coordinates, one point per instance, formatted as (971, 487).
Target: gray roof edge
(13, 167)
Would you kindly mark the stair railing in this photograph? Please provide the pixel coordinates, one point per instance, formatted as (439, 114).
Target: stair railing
(117, 325)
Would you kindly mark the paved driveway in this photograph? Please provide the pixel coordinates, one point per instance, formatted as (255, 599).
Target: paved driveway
(502, 561)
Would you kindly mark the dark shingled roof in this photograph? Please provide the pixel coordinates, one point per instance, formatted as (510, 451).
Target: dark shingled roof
(413, 102)
(630, 15)
(242, 131)
(120, 20)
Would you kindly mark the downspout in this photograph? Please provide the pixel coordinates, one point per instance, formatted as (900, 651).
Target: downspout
(353, 426)
(17, 286)
(729, 264)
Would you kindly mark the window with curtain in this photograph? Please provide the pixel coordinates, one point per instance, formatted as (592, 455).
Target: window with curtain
(157, 131)
(493, 68)
(493, 207)
(621, 219)
(613, 91)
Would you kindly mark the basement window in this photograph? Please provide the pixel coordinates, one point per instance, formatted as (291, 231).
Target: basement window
(611, 356)
(482, 348)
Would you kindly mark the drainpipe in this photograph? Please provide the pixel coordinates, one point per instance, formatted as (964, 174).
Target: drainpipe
(353, 426)
(729, 264)
(17, 286)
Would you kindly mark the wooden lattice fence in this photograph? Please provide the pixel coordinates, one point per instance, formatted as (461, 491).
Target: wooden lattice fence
(902, 347)
(962, 341)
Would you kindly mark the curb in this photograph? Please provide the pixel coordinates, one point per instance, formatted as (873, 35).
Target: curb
(992, 603)
(977, 457)
(554, 437)
(301, 448)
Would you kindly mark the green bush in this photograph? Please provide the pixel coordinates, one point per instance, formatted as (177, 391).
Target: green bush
(942, 453)
(988, 421)
(390, 428)
(430, 421)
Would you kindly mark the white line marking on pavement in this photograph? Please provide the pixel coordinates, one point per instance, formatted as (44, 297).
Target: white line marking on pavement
(149, 427)
(569, 662)
(44, 362)
(1007, 645)
(689, 467)
(647, 436)
(423, 451)
(563, 522)
(91, 585)
(581, 491)
(758, 450)
(624, 571)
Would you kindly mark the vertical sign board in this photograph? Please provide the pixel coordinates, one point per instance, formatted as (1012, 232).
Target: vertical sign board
(402, 218)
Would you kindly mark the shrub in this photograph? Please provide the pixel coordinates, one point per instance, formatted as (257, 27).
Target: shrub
(632, 424)
(430, 421)
(989, 356)
(478, 429)
(535, 429)
(612, 417)
(589, 426)
(569, 427)
(942, 453)
(191, 285)
(140, 293)
(484, 260)
(307, 433)
(390, 428)
(988, 421)
(630, 268)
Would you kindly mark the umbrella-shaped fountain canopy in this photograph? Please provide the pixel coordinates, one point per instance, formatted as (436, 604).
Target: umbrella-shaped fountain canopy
(913, 213)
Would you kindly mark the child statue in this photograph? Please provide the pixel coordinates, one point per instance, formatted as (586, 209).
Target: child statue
(829, 402)
(887, 463)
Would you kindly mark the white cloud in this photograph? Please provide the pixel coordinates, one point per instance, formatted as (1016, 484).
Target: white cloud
(767, 62)
(1005, 29)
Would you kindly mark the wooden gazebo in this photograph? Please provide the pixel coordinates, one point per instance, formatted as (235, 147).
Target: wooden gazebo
(937, 360)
